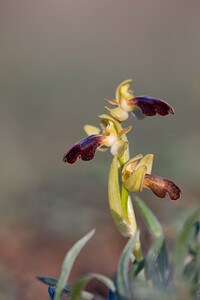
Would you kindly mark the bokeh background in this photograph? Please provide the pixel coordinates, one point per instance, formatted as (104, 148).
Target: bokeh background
(59, 60)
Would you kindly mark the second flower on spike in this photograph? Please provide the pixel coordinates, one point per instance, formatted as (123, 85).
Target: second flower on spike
(111, 136)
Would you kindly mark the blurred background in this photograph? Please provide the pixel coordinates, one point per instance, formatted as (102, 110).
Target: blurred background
(59, 60)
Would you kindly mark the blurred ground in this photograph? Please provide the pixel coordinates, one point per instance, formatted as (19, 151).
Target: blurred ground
(59, 60)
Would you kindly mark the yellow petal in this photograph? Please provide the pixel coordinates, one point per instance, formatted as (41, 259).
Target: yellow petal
(90, 130)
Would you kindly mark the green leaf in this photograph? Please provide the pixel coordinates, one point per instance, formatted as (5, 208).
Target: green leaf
(150, 218)
(68, 263)
(182, 240)
(123, 290)
(80, 284)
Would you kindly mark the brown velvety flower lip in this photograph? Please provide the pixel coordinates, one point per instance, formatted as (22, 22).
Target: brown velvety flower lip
(85, 149)
(152, 106)
(161, 186)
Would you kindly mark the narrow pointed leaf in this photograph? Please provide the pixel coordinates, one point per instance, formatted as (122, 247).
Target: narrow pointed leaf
(123, 290)
(68, 263)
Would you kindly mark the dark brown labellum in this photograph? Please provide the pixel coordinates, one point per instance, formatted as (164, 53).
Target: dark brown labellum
(152, 106)
(161, 186)
(85, 149)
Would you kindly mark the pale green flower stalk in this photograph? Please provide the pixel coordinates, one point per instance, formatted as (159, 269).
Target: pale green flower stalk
(126, 175)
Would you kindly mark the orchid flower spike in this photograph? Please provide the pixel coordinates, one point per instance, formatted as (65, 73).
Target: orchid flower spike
(126, 102)
(136, 176)
(110, 136)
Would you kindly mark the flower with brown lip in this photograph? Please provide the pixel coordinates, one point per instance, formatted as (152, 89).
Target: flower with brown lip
(126, 102)
(136, 176)
(111, 136)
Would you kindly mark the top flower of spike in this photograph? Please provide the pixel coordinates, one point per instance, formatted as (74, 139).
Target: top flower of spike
(126, 102)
